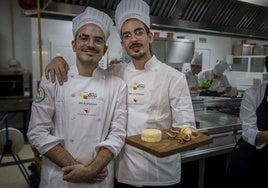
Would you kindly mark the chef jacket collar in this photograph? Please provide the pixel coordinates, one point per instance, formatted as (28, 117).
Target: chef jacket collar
(96, 73)
(151, 64)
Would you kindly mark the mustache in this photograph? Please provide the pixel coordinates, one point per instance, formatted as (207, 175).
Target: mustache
(135, 44)
(91, 49)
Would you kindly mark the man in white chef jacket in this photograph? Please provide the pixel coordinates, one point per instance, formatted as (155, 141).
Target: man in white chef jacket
(158, 97)
(191, 74)
(216, 77)
(79, 128)
(249, 160)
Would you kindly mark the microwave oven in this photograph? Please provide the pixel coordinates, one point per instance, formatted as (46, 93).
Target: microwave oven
(15, 84)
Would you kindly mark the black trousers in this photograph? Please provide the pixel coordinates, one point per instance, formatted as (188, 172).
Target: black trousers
(122, 185)
(247, 167)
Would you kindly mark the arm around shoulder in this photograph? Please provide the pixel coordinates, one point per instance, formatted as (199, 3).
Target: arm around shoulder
(58, 67)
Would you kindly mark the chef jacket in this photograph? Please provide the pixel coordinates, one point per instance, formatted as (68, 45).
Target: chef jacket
(158, 97)
(218, 84)
(249, 104)
(192, 81)
(82, 115)
(249, 161)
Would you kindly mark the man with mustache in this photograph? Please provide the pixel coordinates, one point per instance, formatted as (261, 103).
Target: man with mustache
(80, 127)
(158, 97)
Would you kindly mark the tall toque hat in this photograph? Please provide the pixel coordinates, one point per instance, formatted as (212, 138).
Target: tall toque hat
(197, 59)
(220, 67)
(92, 15)
(127, 9)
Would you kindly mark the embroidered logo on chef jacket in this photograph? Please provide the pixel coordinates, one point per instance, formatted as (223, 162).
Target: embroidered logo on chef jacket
(135, 93)
(136, 86)
(87, 110)
(40, 96)
(89, 103)
(86, 95)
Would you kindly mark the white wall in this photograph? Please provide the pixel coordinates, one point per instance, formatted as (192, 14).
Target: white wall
(21, 50)
(56, 39)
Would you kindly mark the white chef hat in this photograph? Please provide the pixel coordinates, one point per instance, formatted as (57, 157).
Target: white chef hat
(92, 15)
(127, 9)
(220, 67)
(197, 59)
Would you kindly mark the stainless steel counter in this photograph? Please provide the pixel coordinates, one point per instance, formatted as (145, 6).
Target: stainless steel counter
(217, 114)
(222, 144)
(222, 125)
(225, 128)
(217, 122)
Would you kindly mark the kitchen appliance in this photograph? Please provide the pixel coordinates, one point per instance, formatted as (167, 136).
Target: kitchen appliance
(15, 94)
(11, 143)
(174, 52)
(14, 83)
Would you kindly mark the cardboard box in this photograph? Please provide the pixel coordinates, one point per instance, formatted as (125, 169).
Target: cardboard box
(258, 50)
(242, 50)
(265, 47)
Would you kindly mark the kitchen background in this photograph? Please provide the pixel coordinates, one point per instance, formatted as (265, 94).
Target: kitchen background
(19, 42)
(245, 52)
(19, 35)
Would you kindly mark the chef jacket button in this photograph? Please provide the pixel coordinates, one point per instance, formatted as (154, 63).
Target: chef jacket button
(73, 118)
(99, 119)
(72, 75)
(73, 95)
(71, 140)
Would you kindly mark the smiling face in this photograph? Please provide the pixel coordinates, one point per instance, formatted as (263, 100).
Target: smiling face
(89, 45)
(136, 40)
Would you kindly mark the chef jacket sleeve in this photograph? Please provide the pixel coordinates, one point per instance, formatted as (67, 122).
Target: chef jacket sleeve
(117, 132)
(225, 81)
(249, 104)
(204, 76)
(181, 103)
(41, 123)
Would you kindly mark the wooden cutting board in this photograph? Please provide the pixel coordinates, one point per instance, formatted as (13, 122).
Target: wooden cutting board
(168, 146)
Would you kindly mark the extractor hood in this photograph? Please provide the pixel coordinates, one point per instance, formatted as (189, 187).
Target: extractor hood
(235, 18)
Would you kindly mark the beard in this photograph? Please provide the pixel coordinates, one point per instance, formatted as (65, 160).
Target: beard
(138, 56)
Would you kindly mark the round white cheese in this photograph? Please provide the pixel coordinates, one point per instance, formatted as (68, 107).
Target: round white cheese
(151, 135)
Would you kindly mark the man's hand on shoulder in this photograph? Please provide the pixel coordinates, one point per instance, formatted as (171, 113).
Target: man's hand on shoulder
(59, 67)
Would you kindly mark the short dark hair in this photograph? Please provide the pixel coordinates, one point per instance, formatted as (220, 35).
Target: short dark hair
(147, 29)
